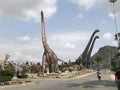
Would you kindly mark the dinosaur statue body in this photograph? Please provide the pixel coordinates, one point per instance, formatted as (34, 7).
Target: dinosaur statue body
(49, 59)
(82, 58)
(17, 69)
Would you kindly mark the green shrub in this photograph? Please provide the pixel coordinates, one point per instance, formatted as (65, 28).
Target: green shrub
(9, 71)
(23, 76)
(7, 74)
(5, 78)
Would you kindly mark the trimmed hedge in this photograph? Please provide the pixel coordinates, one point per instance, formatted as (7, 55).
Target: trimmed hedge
(5, 78)
(8, 72)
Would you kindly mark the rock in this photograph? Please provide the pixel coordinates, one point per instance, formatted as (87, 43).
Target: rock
(2, 84)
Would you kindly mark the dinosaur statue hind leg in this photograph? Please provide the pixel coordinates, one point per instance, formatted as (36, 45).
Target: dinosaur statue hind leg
(55, 63)
(52, 68)
(56, 67)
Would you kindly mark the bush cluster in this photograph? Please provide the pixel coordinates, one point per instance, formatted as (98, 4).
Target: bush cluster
(7, 74)
(23, 76)
(4, 78)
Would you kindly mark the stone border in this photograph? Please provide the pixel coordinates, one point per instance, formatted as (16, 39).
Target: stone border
(16, 82)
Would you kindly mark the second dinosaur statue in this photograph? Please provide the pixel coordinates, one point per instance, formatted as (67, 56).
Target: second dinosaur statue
(83, 58)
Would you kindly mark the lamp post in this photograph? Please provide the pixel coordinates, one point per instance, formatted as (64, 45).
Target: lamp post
(112, 1)
(115, 18)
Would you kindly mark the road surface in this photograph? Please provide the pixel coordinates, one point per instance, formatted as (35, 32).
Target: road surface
(88, 82)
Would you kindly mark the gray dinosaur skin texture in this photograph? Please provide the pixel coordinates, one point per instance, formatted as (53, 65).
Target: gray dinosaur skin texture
(49, 58)
(84, 58)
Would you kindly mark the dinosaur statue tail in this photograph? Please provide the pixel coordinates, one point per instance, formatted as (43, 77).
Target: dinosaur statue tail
(61, 60)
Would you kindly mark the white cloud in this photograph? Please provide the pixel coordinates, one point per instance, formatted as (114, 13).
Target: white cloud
(24, 38)
(27, 9)
(71, 37)
(69, 46)
(80, 15)
(87, 4)
(104, 4)
(104, 23)
(107, 36)
(22, 52)
(111, 14)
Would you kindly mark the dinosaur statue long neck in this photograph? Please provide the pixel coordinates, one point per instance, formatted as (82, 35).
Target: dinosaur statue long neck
(1, 62)
(44, 40)
(5, 59)
(88, 45)
(90, 51)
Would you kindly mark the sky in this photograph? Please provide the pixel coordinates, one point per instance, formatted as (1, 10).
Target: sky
(68, 23)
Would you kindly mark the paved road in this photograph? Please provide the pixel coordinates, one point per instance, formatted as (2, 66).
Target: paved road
(85, 83)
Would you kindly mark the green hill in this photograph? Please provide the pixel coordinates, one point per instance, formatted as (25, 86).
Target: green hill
(105, 53)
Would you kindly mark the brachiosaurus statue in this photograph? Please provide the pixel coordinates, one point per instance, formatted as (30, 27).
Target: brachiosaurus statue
(82, 57)
(49, 59)
(89, 52)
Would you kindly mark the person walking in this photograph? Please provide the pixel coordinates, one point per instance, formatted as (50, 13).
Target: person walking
(117, 78)
(99, 74)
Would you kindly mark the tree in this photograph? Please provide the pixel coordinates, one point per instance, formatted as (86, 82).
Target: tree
(98, 59)
(115, 62)
(7, 74)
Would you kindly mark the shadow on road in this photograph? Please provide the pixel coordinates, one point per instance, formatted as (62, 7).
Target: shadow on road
(93, 84)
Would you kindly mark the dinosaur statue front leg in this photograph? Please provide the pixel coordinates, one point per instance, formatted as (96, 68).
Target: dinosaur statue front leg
(43, 63)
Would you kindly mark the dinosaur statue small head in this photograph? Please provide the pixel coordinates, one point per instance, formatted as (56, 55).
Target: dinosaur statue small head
(97, 30)
(42, 17)
(7, 56)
